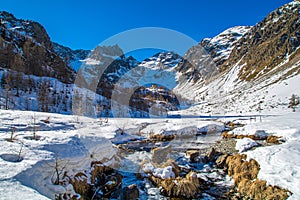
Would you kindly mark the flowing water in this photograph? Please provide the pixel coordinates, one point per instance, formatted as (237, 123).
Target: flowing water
(139, 151)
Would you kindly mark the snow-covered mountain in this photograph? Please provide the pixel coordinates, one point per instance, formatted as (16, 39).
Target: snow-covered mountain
(149, 87)
(73, 57)
(261, 71)
(244, 70)
(162, 60)
(103, 68)
(220, 47)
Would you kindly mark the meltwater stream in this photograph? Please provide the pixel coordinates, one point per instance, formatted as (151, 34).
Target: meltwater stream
(140, 151)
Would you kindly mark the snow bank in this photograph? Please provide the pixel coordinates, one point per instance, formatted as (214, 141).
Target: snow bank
(245, 144)
(279, 163)
(211, 128)
(73, 145)
(122, 137)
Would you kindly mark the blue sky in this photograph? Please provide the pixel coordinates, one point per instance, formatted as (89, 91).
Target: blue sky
(85, 24)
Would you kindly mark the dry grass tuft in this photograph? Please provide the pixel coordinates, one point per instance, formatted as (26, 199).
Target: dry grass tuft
(245, 178)
(225, 134)
(187, 187)
(80, 183)
(273, 139)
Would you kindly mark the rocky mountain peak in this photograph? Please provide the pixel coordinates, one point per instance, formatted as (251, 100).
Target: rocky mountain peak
(26, 28)
(162, 60)
(101, 52)
(268, 43)
(72, 57)
(26, 47)
(221, 46)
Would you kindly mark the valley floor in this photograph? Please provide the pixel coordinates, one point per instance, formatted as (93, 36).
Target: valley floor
(79, 139)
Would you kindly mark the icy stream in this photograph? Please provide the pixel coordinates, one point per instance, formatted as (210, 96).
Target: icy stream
(138, 154)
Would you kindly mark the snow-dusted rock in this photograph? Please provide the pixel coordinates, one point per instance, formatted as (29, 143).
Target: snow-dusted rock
(245, 144)
(164, 173)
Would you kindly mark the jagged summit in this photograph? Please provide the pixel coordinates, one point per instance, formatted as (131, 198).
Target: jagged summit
(26, 28)
(162, 60)
(72, 57)
(26, 47)
(221, 46)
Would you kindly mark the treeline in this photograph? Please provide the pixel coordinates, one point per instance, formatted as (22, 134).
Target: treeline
(25, 92)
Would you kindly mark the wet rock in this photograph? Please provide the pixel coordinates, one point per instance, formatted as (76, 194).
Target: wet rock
(194, 156)
(212, 155)
(192, 153)
(130, 192)
(221, 161)
(260, 135)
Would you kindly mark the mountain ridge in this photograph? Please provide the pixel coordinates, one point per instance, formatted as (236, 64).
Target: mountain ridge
(26, 47)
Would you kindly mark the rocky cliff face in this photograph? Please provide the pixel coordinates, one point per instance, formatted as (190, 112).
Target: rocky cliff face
(74, 58)
(259, 48)
(26, 47)
(203, 61)
(268, 43)
(221, 46)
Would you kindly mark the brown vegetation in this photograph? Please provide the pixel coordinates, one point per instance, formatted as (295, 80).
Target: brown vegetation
(245, 179)
(269, 139)
(273, 139)
(162, 137)
(187, 187)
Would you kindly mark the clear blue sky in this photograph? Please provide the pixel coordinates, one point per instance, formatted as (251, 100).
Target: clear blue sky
(85, 24)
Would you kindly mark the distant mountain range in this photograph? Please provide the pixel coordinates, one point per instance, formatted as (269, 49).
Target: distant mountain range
(241, 63)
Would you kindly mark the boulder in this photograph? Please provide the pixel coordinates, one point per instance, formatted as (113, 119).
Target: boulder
(130, 192)
(221, 161)
(161, 154)
(211, 155)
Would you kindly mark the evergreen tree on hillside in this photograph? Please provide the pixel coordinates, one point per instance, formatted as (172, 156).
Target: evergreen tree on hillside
(294, 101)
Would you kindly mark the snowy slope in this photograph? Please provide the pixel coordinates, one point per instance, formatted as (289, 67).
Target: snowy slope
(221, 46)
(230, 95)
(62, 137)
(261, 71)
